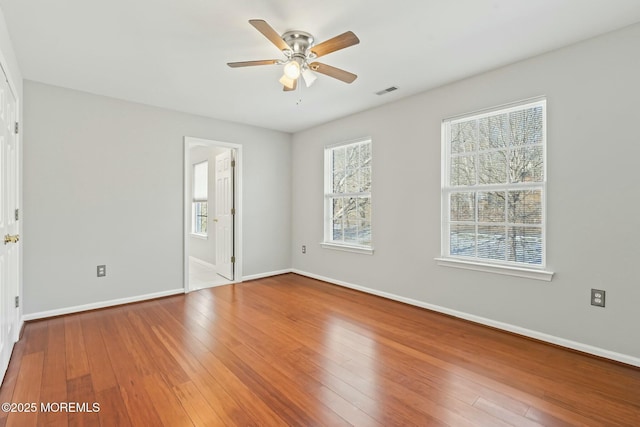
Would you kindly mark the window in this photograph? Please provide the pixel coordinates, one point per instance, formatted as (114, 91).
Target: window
(200, 196)
(493, 187)
(348, 196)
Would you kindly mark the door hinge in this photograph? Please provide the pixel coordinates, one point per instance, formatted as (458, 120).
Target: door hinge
(17, 302)
(233, 163)
(233, 259)
(233, 211)
(17, 213)
(17, 127)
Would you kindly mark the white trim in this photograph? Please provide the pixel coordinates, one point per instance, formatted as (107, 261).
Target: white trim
(102, 304)
(200, 236)
(562, 342)
(347, 248)
(528, 273)
(267, 274)
(237, 235)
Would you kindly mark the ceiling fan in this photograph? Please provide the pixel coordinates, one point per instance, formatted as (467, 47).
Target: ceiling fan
(300, 51)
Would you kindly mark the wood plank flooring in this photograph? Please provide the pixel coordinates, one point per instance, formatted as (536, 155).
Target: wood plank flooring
(289, 350)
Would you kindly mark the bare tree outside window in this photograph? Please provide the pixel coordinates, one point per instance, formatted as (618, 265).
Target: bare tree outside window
(493, 192)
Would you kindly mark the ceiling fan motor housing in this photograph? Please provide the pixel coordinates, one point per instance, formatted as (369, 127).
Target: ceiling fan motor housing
(300, 42)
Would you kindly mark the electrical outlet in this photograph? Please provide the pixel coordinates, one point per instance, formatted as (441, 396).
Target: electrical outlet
(102, 270)
(597, 297)
(304, 249)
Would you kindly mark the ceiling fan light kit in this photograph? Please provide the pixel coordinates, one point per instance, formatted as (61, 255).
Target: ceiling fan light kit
(299, 50)
(292, 69)
(308, 76)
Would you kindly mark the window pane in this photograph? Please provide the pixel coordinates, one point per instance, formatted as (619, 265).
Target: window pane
(364, 208)
(338, 181)
(526, 165)
(200, 180)
(351, 181)
(200, 211)
(463, 170)
(463, 136)
(338, 158)
(491, 242)
(350, 209)
(462, 240)
(493, 167)
(525, 207)
(365, 154)
(364, 233)
(494, 131)
(525, 245)
(337, 214)
(353, 156)
(351, 220)
(365, 179)
(202, 225)
(526, 126)
(491, 206)
(462, 206)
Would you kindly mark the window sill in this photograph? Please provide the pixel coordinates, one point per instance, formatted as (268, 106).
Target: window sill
(529, 273)
(348, 248)
(200, 236)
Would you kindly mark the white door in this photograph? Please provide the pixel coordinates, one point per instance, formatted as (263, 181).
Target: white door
(8, 224)
(224, 212)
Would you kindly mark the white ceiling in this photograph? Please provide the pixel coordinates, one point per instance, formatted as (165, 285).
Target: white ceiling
(173, 53)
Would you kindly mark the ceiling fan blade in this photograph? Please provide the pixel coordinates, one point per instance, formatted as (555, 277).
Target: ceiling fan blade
(252, 63)
(334, 72)
(269, 33)
(289, 89)
(338, 42)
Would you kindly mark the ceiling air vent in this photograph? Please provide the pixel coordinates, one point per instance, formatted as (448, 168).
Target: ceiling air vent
(387, 90)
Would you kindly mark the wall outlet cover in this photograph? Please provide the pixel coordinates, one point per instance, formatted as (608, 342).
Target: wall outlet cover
(597, 297)
(102, 270)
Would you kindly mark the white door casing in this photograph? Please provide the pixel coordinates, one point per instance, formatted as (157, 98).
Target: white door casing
(9, 267)
(224, 214)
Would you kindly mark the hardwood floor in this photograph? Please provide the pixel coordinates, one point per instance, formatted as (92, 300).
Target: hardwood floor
(289, 350)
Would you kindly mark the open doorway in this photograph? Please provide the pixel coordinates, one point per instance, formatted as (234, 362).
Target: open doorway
(212, 213)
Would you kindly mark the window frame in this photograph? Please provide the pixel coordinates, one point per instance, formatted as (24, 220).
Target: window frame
(504, 266)
(329, 195)
(194, 200)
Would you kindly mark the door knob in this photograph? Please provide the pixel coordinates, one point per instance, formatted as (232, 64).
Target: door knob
(11, 239)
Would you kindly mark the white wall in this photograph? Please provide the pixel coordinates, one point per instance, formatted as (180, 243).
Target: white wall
(104, 185)
(592, 91)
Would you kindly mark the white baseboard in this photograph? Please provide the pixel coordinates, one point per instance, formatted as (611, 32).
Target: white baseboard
(102, 304)
(268, 274)
(585, 348)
